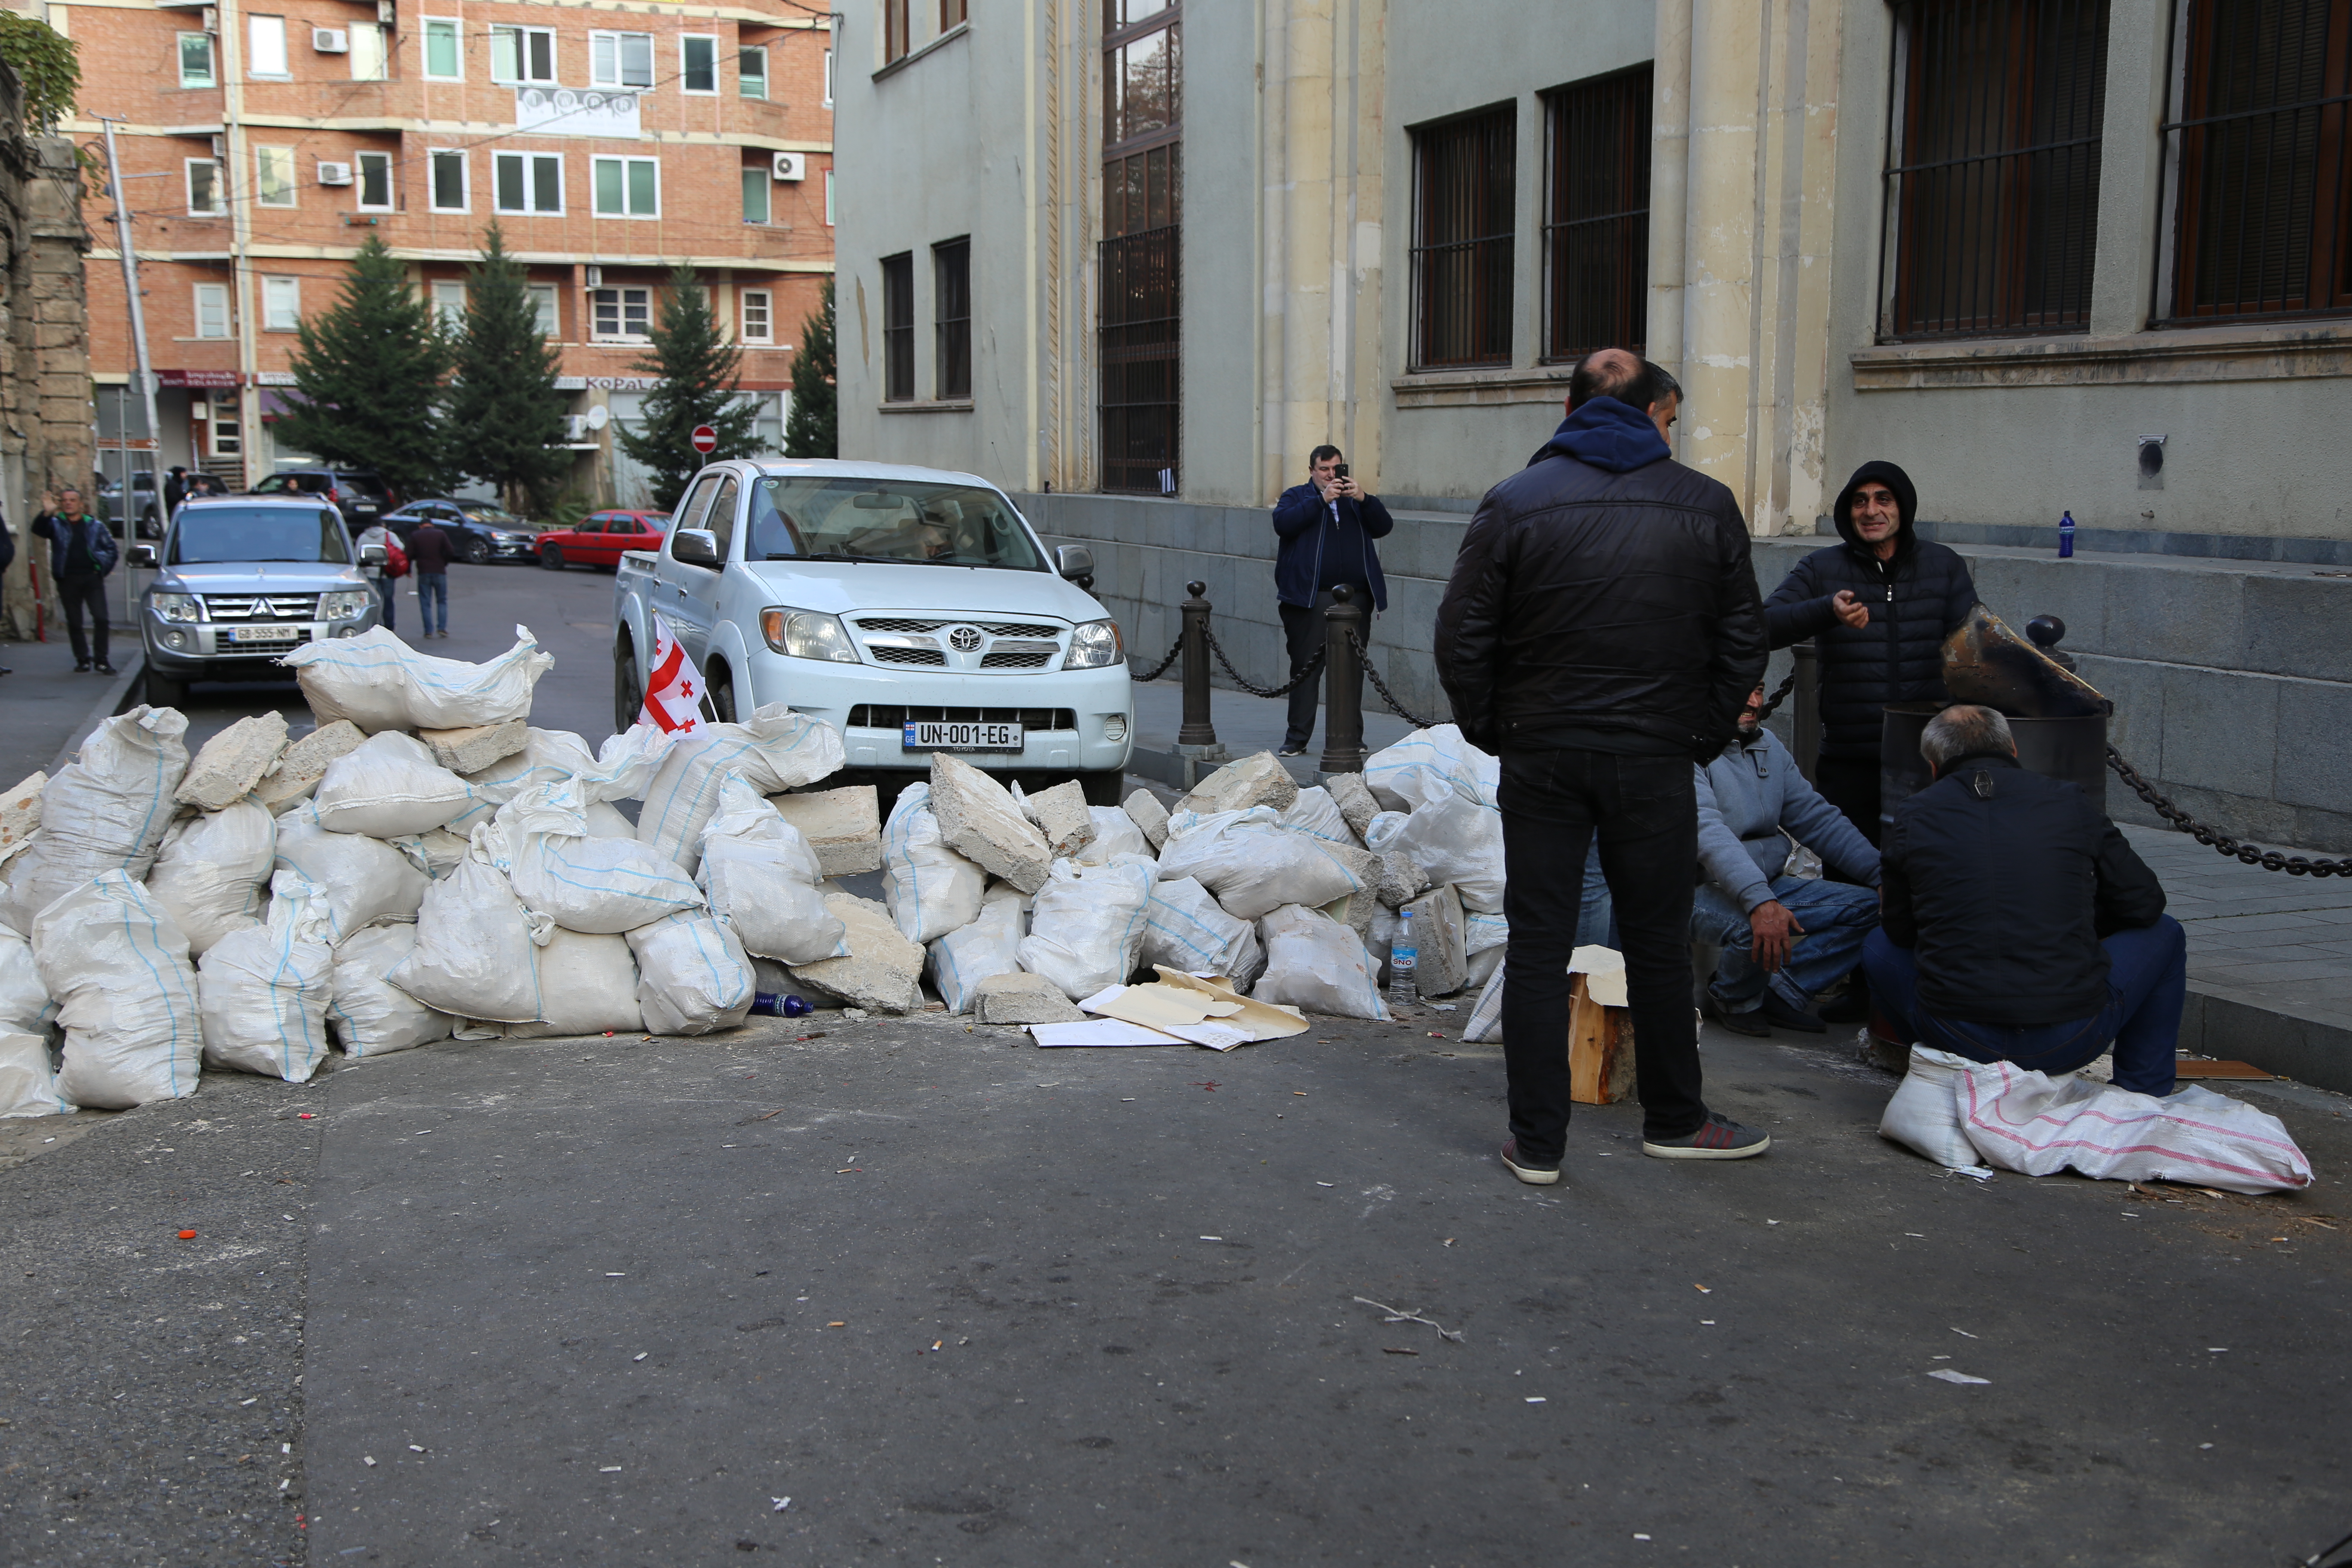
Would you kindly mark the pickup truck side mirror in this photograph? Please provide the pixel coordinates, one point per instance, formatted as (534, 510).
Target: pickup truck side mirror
(696, 547)
(1076, 562)
(142, 555)
(372, 555)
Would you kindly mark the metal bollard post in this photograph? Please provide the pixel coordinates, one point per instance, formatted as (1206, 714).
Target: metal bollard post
(1807, 726)
(1198, 729)
(1343, 686)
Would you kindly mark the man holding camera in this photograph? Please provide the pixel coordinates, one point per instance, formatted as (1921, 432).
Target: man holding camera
(1326, 528)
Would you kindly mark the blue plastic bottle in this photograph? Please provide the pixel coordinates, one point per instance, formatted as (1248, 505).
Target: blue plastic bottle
(2066, 537)
(776, 1004)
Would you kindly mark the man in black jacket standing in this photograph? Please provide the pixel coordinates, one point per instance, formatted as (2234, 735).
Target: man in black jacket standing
(2018, 924)
(1601, 632)
(1326, 527)
(81, 553)
(1878, 607)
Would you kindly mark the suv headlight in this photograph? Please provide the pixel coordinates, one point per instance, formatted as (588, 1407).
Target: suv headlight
(807, 633)
(346, 605)
(176, 606)
(1093, 645)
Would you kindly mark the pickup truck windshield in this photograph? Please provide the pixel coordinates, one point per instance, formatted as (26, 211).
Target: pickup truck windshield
(795, 516)
(233, 533)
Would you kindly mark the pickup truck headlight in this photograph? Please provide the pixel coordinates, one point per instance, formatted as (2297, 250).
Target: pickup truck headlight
(807, 633)
(176, 606)
(347, 604)
(1093, 645)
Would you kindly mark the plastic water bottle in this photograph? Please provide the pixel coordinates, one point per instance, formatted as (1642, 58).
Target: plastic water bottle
(2066, 537)
(1404, 955)
(780, 1004)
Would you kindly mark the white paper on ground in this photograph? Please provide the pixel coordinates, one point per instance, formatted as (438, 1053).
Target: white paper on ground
(1100, 1032)
(1603, 969)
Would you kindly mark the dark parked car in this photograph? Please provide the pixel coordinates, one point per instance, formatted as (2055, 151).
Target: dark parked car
(480, 531)
(360, 496)
(600, 538)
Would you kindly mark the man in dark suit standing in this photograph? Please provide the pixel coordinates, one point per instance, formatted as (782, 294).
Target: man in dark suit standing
(1326, 528)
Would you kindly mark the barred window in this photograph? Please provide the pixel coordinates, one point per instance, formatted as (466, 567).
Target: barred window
(1597, 214)
(898, 327)
(1139, 329)
(951, 303)
(1464, 178)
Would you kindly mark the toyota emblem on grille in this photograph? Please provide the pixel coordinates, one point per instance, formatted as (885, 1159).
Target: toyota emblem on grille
(964, 639)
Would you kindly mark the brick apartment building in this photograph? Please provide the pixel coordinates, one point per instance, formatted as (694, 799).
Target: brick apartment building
(262, 141)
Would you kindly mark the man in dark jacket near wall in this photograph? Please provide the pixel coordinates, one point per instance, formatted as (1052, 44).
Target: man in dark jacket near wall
(1602, 633)
(81, 553)
(1878, 608)
(1326, 527)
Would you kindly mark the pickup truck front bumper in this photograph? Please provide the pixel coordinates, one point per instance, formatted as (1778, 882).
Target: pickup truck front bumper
(1078, 719)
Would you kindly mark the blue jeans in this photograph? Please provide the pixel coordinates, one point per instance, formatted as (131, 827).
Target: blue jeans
(385, 588)
(1596, 917)
(2147, 981)
(432, 593)
(1835, 917)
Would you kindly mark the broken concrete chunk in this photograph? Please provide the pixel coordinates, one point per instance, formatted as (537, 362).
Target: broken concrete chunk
(1061, 814)
(1440, 963)
(1148, 815)
(302, 765)
(1355, 800)
(882, 969)
(233, 762)
(20, 813)
(1399, 879)
(1259, 780)
(979, 821)
(1362, 862)
(843, 825)
(476, 747)
(1022, 998)
(1355, 910)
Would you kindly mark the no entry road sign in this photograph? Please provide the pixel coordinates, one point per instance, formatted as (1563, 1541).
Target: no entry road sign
(706, 440)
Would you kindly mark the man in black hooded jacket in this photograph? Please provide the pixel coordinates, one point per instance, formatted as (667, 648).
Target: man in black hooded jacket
(1878, 608)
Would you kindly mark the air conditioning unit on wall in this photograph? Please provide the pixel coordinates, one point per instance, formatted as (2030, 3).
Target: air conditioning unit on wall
(334, 173)
(792, 165)
(331, 40)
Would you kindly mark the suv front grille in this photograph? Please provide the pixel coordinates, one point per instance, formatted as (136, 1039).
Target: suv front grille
(878, 716)
(261, 607)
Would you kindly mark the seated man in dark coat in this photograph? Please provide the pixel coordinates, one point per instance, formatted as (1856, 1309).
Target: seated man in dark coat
(2017, 925)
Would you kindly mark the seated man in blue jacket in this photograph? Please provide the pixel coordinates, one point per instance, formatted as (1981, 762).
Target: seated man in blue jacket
(1784, 939)
(1326, 527)
(2019, 925)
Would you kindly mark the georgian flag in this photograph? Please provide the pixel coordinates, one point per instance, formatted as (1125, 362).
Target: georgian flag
(673, 690)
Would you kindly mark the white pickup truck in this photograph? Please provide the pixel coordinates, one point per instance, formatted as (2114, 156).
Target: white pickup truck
(912, 609)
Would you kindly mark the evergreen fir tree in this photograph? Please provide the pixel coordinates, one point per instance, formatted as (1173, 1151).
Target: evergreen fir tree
(504, 415)
(367, 379)
(699, 371)
(812, 429)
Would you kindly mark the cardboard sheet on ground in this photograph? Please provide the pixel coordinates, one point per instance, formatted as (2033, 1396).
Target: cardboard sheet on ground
(1101, 1032)
(1191, 1007)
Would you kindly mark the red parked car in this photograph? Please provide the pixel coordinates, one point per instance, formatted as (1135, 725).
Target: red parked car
(600, 539)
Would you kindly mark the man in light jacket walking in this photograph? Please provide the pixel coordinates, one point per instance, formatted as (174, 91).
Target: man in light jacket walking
(1326, 527)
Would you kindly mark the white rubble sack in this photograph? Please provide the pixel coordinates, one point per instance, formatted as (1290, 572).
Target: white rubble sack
(693, 976)
(25, 1005)
(436, 853)
(126, 996)
(105, 812)
(1252, 863)
(989, 946)
(211, 871)
(265, 990)
(589, 985)
(760, 875)
(379, 682)
(928, 888)
(368, 1013)
(774, 750)
(1456, 839)
(603, 887)
(1314, 963)
(20, 813)
(2024, 1121)
(1316, 813)
(1411, 772)
(387, 786)
(1924, 1114)
(28, 1087)
(1115, 833)
(474, 955)
(366, 880)
(1487, 1019)
(1186, 929)
(1086, 931)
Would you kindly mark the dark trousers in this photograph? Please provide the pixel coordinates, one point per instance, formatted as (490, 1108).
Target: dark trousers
(80, 595)
(1645, 813)
(2148, 984)
(387, 590)
(1302, 634)
(1850, 784)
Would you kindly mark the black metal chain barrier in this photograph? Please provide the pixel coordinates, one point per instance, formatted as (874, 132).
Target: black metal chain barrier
(1364, 658)
(1175, 652)
(1314, 668)
(2251, 854)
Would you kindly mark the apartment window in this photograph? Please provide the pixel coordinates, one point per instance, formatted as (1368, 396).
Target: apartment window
(528, 182)
(212, 310)
(443, 59)
(1597, 214)
(755, 194)
(620, 315)
(828, 79)
(697, 63)
(196, 61)
(1464, 174)
(627, 187)
(273, 177)
(205, 196)
(620, 59)
(2261, 156)
(894, 30)
(449, 171)
(1140, 315)
(1993, 192)
(952, 14)
(281, 304)
(522, 54)
(828, 198)
(228, 434)
(751, 71)
(374, 171)
(265, 45)
(951, 303)
(449, 305)
(759, 316)
(898, 327)
(369, 59)
(542, 307)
